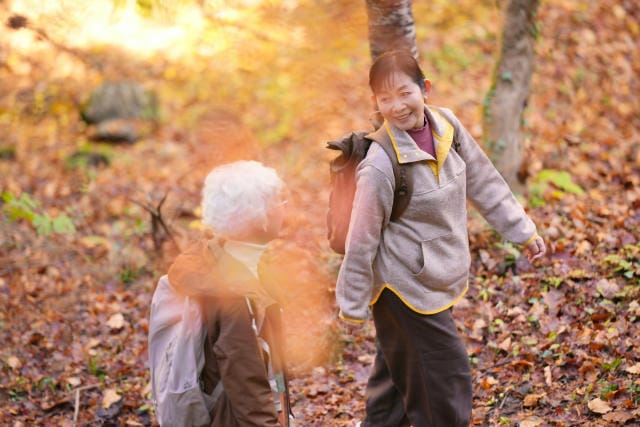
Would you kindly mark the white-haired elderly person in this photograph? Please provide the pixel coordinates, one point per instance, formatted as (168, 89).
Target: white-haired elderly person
(243, 205)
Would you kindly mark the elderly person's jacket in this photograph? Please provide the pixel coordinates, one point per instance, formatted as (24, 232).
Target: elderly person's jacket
(423, 257)
(232, 354)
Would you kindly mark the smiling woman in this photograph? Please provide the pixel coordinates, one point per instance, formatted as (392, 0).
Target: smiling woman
(409, 271)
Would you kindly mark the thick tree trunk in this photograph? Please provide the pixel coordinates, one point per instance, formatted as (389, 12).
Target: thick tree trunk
(509, 92)
(391, 27)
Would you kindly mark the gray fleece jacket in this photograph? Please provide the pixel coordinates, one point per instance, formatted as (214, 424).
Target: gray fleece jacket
(423, 257)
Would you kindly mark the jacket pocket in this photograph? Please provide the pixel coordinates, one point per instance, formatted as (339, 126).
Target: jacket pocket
(445, 261)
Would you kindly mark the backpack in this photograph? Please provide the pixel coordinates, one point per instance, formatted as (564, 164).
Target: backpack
(176, 357)
(342, 169)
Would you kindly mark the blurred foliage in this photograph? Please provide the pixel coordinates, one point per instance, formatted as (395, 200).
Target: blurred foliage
(626, 262)
(560, 180)
(247, 56)
(25, 207)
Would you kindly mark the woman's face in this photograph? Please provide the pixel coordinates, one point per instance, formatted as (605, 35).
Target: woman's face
(401, 101)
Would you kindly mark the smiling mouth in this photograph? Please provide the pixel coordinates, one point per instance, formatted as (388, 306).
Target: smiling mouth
(404, 117)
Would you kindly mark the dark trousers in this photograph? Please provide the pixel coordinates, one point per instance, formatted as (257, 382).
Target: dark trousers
(421, 374)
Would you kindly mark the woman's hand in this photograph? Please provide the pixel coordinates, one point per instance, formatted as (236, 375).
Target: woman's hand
(350, 327)
(536, 249)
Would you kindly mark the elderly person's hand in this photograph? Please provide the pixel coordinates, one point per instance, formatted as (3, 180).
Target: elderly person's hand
(536, 249)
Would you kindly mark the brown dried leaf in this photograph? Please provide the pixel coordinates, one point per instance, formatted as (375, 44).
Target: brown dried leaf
(477, 330)
(635, 369)
(505, 345)
(607, 288)
(548, 379)
(366, 359)
(531, 400)
(554, 299)
(74, 381)
(14, 362)
(110, 397)
(48, 404)
(620, 417)
(531, 422)
(599, 406)
(116, 322)
(146, 390)
(584, 247)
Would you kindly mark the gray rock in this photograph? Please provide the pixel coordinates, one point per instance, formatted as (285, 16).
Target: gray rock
(120, 100)
(118, 130)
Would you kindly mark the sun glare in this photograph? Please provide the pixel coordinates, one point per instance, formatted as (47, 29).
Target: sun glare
(95, 23)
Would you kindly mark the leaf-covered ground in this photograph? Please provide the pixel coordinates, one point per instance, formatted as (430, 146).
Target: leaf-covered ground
(551, 345)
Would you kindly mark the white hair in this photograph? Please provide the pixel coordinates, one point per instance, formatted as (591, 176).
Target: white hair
(236, 196)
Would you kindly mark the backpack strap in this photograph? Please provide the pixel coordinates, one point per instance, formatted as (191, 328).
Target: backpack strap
(212, 398)
(403, 185)
(272, 349)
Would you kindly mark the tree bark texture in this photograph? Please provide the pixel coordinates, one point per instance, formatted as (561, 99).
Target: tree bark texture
(507, 98)
(391, 27)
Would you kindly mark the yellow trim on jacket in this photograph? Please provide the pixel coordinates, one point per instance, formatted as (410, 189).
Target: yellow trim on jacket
(442, 147)
(444, 142)
(531, 239)
(349, 319)
(393, 139)
(412, 308)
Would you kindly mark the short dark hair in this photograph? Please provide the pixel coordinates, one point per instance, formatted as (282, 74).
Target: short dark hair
(394, 61)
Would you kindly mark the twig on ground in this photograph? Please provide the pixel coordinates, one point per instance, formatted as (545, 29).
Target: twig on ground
(157, 222)
(76, 406)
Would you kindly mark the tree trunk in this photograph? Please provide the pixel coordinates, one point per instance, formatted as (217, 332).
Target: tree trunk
(391, 27)
(507, 98)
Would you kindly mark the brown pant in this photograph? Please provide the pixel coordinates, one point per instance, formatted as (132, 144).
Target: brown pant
(421, 375)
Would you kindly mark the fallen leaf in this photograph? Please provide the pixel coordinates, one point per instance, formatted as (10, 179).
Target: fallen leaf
(116, 321)
(505, 345)
(531, 400)
(547, 376)
(531, 422)
(14, 362)
(146, 390)
(74, 381)
(47, 404)
(110, 397)
(96, 246)
(554, 299)
(620, 417)
(477, 330)
(91, 242)
(489, 382)
(93, 342)
(599, 406)
(635, 369)
(366, 359)
(584, 247)
(607, 288)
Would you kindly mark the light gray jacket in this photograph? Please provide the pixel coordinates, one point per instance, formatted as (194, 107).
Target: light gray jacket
(423, 257)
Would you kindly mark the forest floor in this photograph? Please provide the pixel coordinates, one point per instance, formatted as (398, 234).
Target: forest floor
(555, 344)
